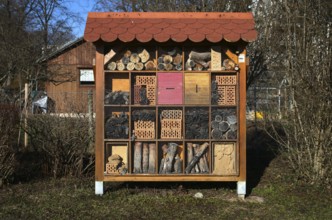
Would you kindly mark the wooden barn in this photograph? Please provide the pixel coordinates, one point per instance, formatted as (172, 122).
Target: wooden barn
(70, 70)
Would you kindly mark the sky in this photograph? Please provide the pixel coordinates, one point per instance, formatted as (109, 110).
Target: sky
(82, 7)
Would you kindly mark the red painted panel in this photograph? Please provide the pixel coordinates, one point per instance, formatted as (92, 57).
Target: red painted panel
(170, 88)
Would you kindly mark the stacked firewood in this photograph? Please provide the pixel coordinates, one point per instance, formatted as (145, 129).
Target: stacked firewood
(198, 61)
(117, 126)
(224, 124)
(201, 60)
(117, 97)
(170, 60)
(171, 161)
(144, 157)
(132, 60)
(197, 161)
(197, 124)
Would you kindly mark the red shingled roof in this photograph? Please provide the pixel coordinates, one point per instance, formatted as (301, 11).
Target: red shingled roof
(165, 26)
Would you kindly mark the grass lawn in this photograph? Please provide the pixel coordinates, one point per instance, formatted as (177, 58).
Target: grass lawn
(272, 194)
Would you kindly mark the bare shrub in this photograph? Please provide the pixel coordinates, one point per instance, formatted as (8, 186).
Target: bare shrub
(299, 47)
(64, 140)
(9, 126)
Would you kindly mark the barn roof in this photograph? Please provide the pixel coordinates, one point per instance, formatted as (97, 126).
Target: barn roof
(169, 26)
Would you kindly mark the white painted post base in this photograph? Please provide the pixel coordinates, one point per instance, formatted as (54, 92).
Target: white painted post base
(99, 188)
(241, 189)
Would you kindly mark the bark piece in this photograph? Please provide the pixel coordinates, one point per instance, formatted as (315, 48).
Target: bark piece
(190, 155)
(177, 164)
(196, 158)
(137, 157)
(152, 158)
(145, 162)
(171, 151)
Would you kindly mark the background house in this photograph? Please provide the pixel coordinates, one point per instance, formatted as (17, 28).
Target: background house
(70, 70)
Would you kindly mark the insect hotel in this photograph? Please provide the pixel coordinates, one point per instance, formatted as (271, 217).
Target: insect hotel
(170, 96)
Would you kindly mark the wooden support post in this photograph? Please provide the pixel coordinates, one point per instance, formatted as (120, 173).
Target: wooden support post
(90, 116)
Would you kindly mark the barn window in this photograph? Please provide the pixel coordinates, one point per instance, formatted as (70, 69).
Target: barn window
(87, 77)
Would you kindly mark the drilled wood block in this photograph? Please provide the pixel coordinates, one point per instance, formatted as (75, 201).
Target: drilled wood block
(226, 80)
(224, 159)
(137, 97)
(143, 125)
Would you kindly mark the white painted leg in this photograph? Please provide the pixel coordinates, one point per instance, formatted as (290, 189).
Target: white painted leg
(99, 188)
(241, 189)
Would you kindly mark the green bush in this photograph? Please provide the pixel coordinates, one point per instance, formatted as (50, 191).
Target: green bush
(64, 141)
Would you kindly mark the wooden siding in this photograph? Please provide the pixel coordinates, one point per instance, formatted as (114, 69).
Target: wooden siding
(64, 87)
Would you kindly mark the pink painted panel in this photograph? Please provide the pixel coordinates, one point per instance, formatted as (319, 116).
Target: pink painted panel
(170, 88)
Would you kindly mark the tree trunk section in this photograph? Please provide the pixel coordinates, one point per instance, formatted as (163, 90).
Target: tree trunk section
(138, 157)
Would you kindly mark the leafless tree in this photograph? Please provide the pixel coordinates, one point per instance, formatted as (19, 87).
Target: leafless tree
(297, 44)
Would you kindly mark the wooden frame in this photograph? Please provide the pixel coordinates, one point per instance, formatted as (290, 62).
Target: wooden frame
(240, 142)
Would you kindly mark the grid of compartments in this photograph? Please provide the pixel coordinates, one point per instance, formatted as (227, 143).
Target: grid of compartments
(170, 111)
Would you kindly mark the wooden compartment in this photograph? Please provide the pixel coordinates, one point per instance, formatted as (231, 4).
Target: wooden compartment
(116, 123)
(169, 58)
(196, 123)
(144, 89)
(197, 158)
(117, 88)
(224, 124)
(197, 88)
(170, 123)
(225, 160)
(116, 158)
(170, 88)
(144, 157)
(144, 123)
(224, 90)
(130, 59)
(170, 157)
